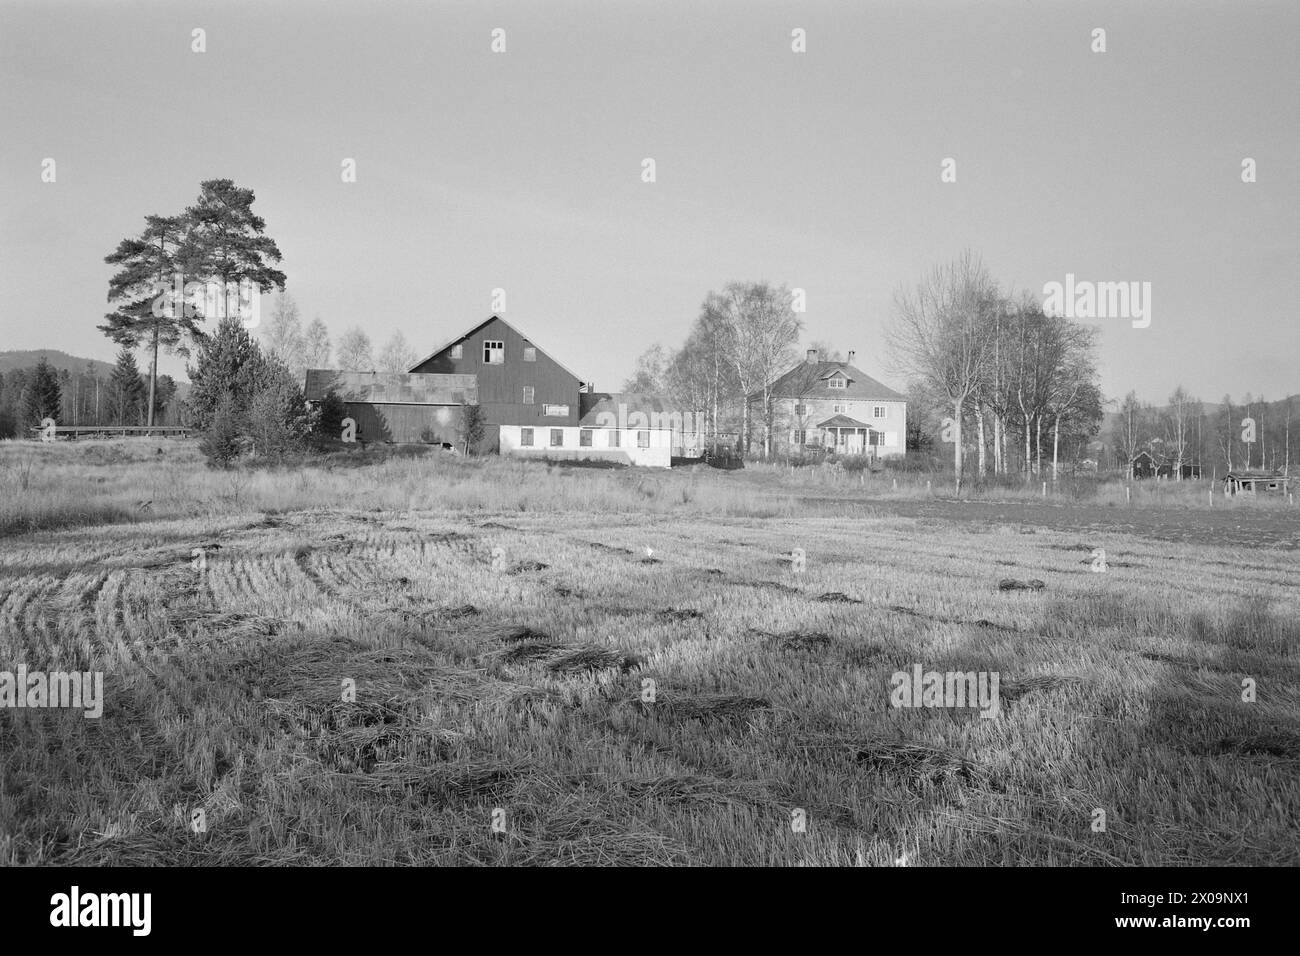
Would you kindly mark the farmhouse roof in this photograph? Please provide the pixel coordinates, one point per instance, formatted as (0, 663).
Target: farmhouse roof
(397, 388)
(811, 380)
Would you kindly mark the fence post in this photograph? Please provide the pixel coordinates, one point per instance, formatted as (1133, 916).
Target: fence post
(1044, 489)
(1128, 493)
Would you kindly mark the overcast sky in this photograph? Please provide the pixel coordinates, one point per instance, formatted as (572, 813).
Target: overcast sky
(523, 170)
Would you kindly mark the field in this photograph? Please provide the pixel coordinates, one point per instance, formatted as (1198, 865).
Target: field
(582, 666)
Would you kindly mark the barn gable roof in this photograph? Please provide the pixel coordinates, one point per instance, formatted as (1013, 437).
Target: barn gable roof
(468, 332)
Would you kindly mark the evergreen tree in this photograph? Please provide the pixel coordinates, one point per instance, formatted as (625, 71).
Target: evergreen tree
(41, 397)
(220, 442)
(126, 392)
(226, 364)
(147, 312)
(229, 239)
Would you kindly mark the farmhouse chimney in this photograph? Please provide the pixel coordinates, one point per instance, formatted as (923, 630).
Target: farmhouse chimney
(812, 356)
(851, 354)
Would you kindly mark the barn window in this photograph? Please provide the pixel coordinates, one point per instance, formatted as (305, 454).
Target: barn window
(525, 438)
(528, 394)
(494, 352)
(555, 411)
(615, 438)
(557, 437)
(584, 438)
(530, 354)
(878, 411)
(458, 351)
(643, 439)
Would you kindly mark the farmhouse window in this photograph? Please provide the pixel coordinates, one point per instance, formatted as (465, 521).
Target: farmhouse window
(800, 408)
(557, 437)
(839, 409)
(530, 354)
(458, 351)
(801, 437)
(525, 438)
(584, 438)
(642, 439)
(555, 411)
(615, 438)
(838, 382)
(873, 437)
(528, 394)
(494, 352)
(878, 411)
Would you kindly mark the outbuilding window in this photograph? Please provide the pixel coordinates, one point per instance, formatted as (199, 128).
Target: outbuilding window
(494, 352)
(525, 438)
(584, 438)
(642, 439)
(557, 437)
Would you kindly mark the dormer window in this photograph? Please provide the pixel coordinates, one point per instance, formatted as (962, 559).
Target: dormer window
(838, 381)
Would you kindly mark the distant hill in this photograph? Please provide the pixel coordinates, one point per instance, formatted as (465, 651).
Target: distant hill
(60, 360)
(73, 363)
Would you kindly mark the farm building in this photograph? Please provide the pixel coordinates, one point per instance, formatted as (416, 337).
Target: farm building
(518, 384)
(836, 406)
(397, 407)
(1244, 482)
(1155, 465)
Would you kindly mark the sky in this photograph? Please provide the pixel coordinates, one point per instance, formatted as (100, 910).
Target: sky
(522, 170)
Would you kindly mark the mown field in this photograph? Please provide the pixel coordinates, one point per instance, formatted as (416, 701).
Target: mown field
(504, 625)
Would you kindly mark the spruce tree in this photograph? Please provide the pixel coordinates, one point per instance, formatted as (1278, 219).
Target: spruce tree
(126, 393)
(41, 396)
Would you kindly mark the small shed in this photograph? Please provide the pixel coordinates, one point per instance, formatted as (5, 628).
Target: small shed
(1243, 482)
(402, 407)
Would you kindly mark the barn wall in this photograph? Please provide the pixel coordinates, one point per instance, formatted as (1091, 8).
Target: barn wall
(380, 422)
(500, 387)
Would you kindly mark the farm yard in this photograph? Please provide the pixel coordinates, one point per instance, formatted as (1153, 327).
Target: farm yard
(562, 665)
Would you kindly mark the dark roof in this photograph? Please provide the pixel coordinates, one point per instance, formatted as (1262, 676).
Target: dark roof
(1256, 475)
(468, 332)
(809, 380)
(843, 421)
(394, 388)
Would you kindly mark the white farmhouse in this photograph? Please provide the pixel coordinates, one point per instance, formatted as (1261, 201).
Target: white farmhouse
(837, 406)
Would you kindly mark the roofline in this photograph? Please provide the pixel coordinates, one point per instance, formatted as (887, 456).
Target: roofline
(468, 332)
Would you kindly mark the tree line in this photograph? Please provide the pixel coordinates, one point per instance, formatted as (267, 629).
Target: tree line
(33, 393)
(1185, 437)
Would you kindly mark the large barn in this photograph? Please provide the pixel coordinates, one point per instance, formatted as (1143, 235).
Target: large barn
(518, 383)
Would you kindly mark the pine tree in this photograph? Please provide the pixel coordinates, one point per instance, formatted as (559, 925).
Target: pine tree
(143, 289)
(41, 396)
(229, 238)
